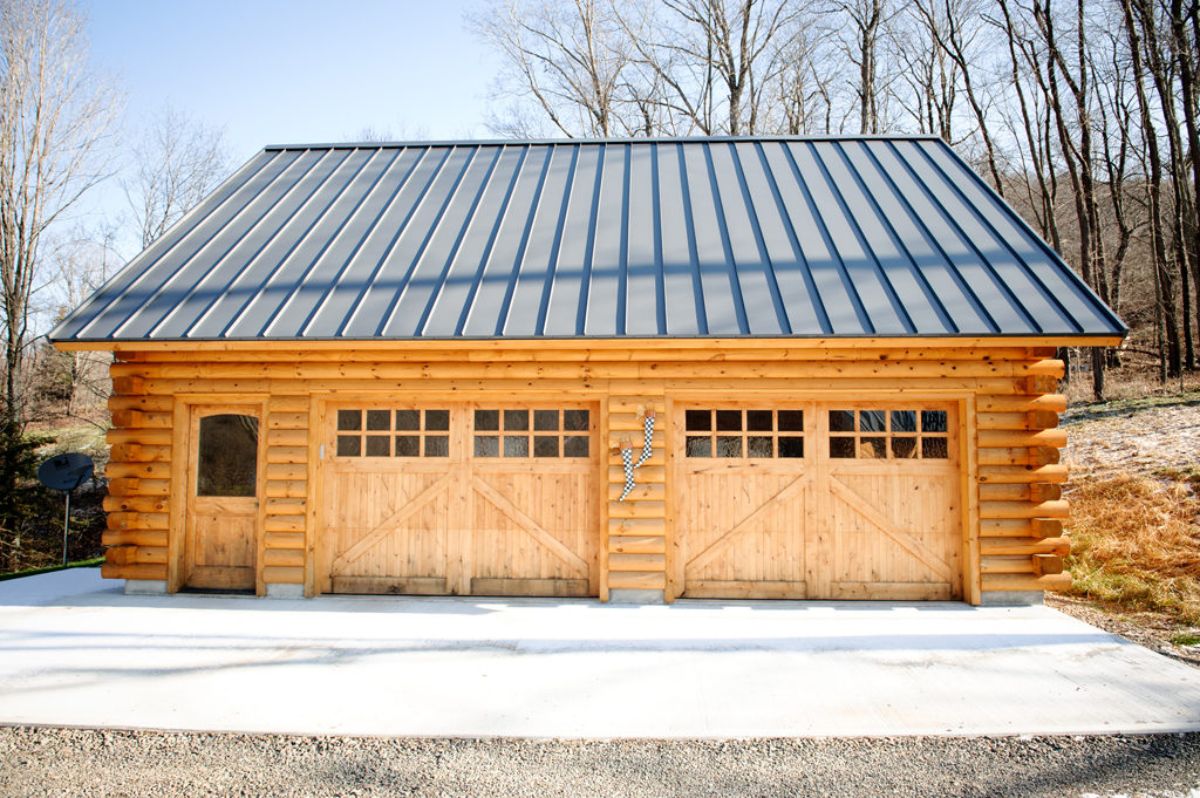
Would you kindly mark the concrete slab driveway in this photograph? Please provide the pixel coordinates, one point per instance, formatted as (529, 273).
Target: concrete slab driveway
(75, 651)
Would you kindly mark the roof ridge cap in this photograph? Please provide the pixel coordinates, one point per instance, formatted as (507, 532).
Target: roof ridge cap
(609, 140)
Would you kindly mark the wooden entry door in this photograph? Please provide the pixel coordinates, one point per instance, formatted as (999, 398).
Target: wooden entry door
(221, 521)
(817, 500)
(462, 499)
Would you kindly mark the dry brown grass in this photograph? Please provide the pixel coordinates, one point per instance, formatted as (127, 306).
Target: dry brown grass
(1135, 542)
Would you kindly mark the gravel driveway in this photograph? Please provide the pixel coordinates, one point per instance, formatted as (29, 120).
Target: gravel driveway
(36, 762)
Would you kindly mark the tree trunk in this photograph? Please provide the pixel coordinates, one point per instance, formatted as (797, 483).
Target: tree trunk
(1163, 288)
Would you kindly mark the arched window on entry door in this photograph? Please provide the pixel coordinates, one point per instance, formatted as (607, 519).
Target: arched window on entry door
(227, 461)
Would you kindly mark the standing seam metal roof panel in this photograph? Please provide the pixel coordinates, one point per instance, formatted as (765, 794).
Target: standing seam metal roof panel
(705, 237)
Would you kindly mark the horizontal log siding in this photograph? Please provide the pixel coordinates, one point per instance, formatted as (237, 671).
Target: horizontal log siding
(634, 556)
(139, 484)
(284, 545)
(1017, 495)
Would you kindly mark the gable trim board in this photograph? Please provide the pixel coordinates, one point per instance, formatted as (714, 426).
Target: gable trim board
(867, 331)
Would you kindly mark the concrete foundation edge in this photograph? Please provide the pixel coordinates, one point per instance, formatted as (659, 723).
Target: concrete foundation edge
(145, 587)
(635, 596)
(1013, 598)
(285, 591)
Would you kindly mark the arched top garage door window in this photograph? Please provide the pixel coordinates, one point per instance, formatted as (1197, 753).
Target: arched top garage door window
(227, 458)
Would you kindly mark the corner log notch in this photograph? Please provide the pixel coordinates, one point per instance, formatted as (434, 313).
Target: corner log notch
(1021, 509)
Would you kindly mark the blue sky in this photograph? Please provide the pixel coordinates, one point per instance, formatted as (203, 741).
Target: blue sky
(276, 71)
(290, 71)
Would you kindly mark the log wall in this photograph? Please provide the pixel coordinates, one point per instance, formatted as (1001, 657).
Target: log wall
(1014, 518)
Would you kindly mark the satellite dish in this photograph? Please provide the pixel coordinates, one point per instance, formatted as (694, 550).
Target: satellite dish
(65, 472)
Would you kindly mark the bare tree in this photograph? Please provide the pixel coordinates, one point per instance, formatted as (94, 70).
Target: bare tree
(865, 22)
(1161, 70)
(955, 25)
(54, 118)
(175, 165)
(1183, 23)
(1034, 128)
(713, 60)
(802, 98)
(1117, 121)
(925, 69)
(1073, 123)
(568, 57)
(81, 263)
(1172, 362)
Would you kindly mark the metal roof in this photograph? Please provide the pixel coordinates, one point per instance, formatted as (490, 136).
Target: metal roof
(719, 237)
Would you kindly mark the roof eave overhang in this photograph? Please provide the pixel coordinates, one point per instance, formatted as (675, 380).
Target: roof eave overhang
(582, 343)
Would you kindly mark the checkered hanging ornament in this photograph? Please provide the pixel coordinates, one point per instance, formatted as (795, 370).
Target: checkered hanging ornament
(627, 454)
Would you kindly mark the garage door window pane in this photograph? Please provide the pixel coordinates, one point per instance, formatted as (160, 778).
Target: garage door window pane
(379, 445)
(791, 421)
(841, 420)
(751, 433)
(907, 434)
(904, 421)
(549, 423)
(392, 432)
(873, 448)
(729, 420)
(933, 421)
(841, 447)
(575, 446)
(227, 456)
(791, 447)
(759, 420)
(872, 421)
(760, 446)
(729, 447)
(487, 446)
(935, 448)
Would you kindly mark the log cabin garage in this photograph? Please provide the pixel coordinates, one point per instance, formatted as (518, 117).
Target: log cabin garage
(639, 370)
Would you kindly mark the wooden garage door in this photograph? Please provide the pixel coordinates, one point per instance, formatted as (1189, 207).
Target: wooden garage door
(817, 500)
(480, 499)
